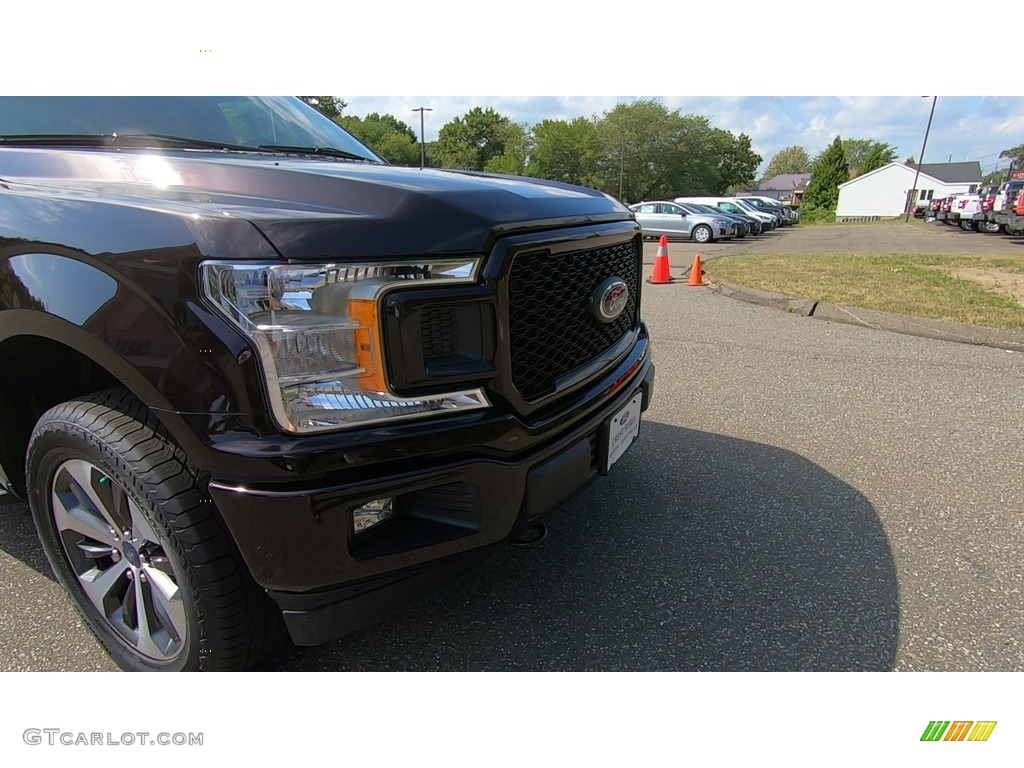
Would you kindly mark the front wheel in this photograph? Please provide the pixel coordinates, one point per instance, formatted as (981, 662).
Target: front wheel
(991, 227)
(132, 536)
(702, 234)
(968, 225)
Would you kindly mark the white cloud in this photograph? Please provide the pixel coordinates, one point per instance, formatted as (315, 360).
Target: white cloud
(1013, 125)
(963, 127)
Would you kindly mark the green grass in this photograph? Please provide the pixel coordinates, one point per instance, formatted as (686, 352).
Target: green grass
(907, 284)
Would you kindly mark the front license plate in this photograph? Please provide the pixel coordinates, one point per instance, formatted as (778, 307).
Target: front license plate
(620, 431)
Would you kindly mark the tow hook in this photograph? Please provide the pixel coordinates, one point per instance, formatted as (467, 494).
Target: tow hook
(532, 538)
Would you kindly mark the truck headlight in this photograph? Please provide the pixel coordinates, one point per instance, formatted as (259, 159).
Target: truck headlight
(316, 329)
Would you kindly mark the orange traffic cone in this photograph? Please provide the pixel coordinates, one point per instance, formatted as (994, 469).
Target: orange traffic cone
(696, 272)
(661, 272)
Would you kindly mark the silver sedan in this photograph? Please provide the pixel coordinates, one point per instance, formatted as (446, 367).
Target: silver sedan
(659, 218)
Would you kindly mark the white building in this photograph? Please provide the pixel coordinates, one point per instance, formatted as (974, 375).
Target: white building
(885, 192)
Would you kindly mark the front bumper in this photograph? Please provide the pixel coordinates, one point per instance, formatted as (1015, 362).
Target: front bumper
(299, 544)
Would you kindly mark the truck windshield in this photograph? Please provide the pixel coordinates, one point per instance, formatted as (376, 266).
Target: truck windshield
(246, 122)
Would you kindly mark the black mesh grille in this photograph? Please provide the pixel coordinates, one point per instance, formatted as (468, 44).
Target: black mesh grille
(552, 328)
(440, 332)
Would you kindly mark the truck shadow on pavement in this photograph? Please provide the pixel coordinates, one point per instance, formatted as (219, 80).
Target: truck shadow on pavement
(18, 536)
(700, 552)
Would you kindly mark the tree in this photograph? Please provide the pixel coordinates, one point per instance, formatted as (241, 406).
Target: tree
(789, 160)
(386, 135)
(830, 170)
(993, 179)
(471, 141)
(739, 162)
(332, 106)
(876, 158)
(910, 160)
(647, 151)
(516, 153)
(566, 151)
(1016, 156)
(639, 142)
(857, 151)
(14, 294)
(694, 164)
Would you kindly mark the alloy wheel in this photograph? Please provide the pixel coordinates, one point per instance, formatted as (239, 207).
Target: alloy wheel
(119, 560)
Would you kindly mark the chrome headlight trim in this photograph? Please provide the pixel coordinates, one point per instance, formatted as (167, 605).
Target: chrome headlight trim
(328, 393)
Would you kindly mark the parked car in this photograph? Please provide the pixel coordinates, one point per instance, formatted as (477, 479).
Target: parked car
(792, 213)
(756, 225)
(922, 209)
(745, 225)
(1003, 205)
(730, 205)
(661, 217)
(1015, 217)
(987, 222)
(969, 212)
(786, 218)
(777, 218)
(945, 212)
(254, 380)
(1006, 194)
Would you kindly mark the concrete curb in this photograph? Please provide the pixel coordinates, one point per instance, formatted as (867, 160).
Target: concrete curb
(962, 333)
(803, 307)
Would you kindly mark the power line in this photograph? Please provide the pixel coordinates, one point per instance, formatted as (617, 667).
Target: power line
(986, 157)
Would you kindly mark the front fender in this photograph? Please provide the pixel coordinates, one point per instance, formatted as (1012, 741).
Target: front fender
(177, 358)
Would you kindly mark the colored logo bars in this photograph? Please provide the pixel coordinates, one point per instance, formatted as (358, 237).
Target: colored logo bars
(958, 730)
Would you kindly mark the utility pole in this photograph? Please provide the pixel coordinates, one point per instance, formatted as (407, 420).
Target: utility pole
(423, 149)
(917, 174)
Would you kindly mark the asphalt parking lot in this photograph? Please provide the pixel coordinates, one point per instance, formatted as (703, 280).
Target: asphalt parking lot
(913, 237)
(803, 496)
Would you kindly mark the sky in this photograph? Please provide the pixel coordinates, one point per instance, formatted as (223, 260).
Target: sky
(963, 128)
(748, 78)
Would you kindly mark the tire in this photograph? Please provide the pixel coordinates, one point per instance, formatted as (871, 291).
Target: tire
(702, 234)
(991, 227)
(103, 460)
(967, 225)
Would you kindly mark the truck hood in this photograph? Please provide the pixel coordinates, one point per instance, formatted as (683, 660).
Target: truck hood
(315, 208)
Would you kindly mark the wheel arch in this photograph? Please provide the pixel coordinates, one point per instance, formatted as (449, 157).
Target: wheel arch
(53, 362)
